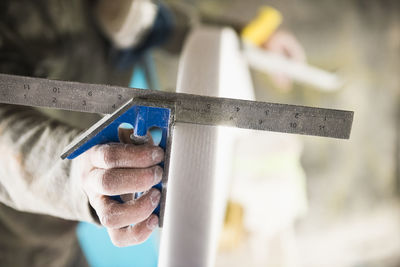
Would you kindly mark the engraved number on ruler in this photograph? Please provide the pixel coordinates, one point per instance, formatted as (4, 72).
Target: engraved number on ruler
(27, 87)
(84, 101)
(56, 91)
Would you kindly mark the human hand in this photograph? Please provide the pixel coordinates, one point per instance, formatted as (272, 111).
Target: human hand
(122, 169)
(285, 44)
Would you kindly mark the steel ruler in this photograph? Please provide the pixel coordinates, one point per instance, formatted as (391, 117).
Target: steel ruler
(98, 98)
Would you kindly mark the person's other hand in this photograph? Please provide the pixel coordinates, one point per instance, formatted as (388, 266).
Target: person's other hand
(122, 169)
(284, 43)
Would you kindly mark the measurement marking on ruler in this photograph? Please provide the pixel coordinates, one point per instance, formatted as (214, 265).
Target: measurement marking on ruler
(188, 108)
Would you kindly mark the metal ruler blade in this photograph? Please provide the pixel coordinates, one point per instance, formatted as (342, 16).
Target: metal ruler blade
(97, 98)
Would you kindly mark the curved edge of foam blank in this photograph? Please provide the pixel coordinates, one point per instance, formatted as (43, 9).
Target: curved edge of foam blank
(211, 64)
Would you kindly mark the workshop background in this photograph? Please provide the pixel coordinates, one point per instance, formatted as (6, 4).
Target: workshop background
(339, 202)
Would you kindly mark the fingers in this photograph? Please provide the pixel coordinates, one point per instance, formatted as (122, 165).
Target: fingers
(124, 135)
(114, 215)
(294, 49)
(122, 181)
(121, 169)
(115, 155)
(133, 235)
(286, 44)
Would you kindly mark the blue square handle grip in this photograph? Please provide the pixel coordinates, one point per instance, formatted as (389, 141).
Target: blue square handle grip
(142, 118)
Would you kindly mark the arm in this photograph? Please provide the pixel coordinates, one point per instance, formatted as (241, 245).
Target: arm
(126, 22)
(145, 23)
(33, 178)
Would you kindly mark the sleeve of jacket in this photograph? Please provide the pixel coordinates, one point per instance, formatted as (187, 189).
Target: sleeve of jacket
(126, 22)
(33, 177)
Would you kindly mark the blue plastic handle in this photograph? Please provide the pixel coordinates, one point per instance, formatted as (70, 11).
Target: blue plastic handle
(142, 118)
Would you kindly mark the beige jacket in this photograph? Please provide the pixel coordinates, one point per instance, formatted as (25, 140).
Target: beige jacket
(40, 200)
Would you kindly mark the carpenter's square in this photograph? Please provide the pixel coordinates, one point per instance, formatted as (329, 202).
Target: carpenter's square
(145, 109)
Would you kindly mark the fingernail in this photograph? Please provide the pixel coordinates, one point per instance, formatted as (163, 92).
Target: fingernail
(157, 155)
(155, 197)
(152, 222)
(157, 175)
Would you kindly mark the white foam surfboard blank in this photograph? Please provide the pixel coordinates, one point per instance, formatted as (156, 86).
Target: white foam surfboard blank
(200, 164)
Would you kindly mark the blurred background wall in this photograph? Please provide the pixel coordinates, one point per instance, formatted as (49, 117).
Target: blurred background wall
(352, 187)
